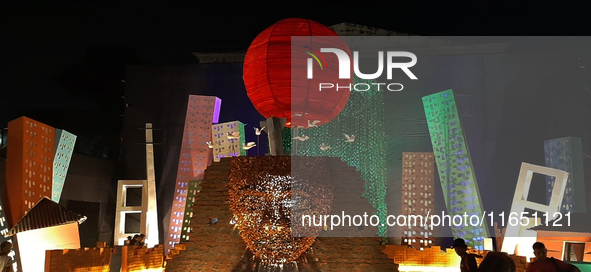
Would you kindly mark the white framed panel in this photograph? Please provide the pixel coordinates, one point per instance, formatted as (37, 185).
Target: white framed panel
(514, 234)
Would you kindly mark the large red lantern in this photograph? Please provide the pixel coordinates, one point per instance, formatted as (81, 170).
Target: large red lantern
(268, 73)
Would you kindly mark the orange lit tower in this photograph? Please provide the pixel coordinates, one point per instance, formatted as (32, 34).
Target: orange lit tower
(195, 157)
(29, 166)
(418, 196)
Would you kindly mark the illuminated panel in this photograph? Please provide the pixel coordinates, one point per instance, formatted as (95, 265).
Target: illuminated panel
(430, 259)
(29, 166)
(123, 210)
(224, 147)
(152, 235)
(418, 195)
(567, 154)
(195, 157)
(61, 161)
(33, 244)
(454, 165)
(518, 235)
(194, 188)
(147, 208)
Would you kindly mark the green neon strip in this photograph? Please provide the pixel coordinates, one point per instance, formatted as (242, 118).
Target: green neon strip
(454, 165)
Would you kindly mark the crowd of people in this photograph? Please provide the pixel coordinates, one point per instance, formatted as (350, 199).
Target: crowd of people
(501, 262)
(137, 240)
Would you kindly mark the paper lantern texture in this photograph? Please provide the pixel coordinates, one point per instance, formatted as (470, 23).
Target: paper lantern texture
(268, 73)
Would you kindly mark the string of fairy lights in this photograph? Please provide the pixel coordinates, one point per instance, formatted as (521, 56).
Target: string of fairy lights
(363, 116)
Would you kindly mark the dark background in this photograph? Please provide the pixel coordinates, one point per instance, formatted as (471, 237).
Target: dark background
(64, 65)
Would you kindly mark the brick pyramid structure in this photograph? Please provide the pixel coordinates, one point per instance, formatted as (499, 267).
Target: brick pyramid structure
(219, 246)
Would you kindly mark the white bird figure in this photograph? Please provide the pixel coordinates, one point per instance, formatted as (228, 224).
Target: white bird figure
(300, 138)
(324, 147)
(234, 135)
(313, 123)
(298, 114)
(210, 145)
(350, 139)
(258, 131)
(249, 145)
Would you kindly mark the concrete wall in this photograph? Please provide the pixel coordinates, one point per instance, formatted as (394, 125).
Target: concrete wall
(32, 244)
(93, 181)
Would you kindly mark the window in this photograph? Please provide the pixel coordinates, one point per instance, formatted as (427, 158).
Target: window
(133, 196)
(574, 252)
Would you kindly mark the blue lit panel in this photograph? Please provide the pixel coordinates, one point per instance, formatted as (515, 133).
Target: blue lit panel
(65, 142)
(567, 154)
(454, 165)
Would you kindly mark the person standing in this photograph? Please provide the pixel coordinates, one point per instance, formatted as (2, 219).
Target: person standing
(545, 264)
(497, 262)
(468, 262)
(5, 260)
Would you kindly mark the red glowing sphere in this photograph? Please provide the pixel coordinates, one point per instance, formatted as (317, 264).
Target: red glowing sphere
(276, 71)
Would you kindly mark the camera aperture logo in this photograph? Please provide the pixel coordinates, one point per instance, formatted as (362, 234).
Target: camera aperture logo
(344, 68)
(317, 60)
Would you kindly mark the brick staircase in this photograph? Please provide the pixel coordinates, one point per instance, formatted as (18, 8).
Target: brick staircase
(211, 247)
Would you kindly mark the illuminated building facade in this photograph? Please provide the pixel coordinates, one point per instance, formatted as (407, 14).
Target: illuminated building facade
(29, 166)
(194, 188)
(145, 210)
(64, 146)
(454, 165)
(567, 154)
(46, 226)
(418, 172)
(518, 238)
(224, 147)
(195, 157)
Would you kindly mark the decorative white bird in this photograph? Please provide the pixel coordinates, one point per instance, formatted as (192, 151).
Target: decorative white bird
(313, 123)
(258, 131)
(300, 138)
(249, 145)
(298, 114)
(210, 145)
(234, 135)
(324, 147)
(350, 139)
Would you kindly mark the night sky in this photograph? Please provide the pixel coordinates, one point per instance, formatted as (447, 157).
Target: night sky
(63, 62)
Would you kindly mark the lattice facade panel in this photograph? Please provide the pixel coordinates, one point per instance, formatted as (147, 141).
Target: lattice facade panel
(224, 147)
(195, 157)
(194, 188)
(64, 148)
(454, 165)
(29, 166)
(567, 154)
(418, 196)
